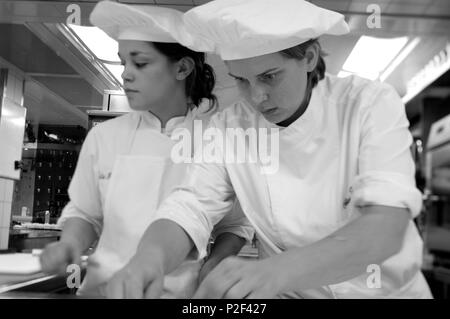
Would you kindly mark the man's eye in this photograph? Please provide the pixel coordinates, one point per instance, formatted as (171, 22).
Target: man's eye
(240, 80)
(269, 77)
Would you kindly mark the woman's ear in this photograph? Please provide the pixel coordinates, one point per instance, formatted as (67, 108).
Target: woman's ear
(312, 55)
(184, 67)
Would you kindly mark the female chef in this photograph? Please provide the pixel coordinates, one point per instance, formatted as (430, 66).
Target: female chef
(336, 219)
(124, 169)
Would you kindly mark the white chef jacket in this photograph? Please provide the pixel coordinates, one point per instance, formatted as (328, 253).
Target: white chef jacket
(349, 149)
(132, 135)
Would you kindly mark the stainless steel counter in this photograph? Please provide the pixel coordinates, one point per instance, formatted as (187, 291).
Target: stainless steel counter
(28, 239)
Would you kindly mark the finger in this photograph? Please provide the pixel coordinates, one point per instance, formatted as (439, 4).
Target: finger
(261, 293)
(51, 260)
(114, 289)
(154, 289)
(215, 285)
(75, 258)
(63, 269)
(239, 290)
(102, 289)
(64, 260)
(220, 279)
(258, 294)
(205, 271)
(134, 288)
(202, 274)
(45, 263)
(46, 259)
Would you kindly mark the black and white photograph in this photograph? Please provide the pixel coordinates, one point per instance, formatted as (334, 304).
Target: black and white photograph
(224, 149)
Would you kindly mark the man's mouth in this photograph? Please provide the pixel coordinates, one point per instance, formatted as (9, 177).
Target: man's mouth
(269, 111)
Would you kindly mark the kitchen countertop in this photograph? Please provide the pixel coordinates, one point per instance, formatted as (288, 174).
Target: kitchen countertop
(41, 295)
(34, 233)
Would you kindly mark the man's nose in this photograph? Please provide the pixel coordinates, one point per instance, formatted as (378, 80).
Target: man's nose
(258, 94)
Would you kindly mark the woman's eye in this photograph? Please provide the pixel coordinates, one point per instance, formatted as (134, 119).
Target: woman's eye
(140, 65)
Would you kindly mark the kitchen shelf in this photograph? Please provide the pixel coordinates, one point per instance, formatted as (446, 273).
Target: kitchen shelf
(51, 146)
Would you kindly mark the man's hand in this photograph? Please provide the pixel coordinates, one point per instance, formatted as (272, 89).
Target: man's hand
(236, 278)
(207, 267)
(140, 278)
(225, 245)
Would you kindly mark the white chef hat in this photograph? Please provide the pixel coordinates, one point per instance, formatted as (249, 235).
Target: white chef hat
(137, 22)
(239, 29)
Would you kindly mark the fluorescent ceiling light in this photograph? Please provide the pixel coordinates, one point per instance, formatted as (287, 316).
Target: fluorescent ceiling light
(104, 47)
(371, 56)
(395, 63)
(116, 70)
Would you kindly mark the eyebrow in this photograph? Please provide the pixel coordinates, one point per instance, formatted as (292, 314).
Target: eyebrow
(134, 53)
(261, 74)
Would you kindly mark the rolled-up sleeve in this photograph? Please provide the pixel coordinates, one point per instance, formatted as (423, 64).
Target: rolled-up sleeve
(84, 193)
(202, 200)
(199, 203)
(385, 165)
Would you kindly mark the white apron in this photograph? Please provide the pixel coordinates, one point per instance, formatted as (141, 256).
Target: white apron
(137, 186)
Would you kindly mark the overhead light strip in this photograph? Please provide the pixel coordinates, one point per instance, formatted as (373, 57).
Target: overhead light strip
(372, 55)
(399, 59)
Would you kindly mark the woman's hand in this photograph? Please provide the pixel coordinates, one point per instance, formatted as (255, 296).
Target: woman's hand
(140, 278)
(236, 278)
(58, 255)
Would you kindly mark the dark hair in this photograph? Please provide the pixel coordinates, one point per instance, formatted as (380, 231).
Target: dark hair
(298, 52)
(200, 83)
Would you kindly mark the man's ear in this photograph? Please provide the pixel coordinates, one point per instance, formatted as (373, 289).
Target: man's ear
(184, 67)
(312, 55)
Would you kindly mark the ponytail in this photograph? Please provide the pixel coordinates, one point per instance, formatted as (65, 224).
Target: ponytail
(200, 83)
